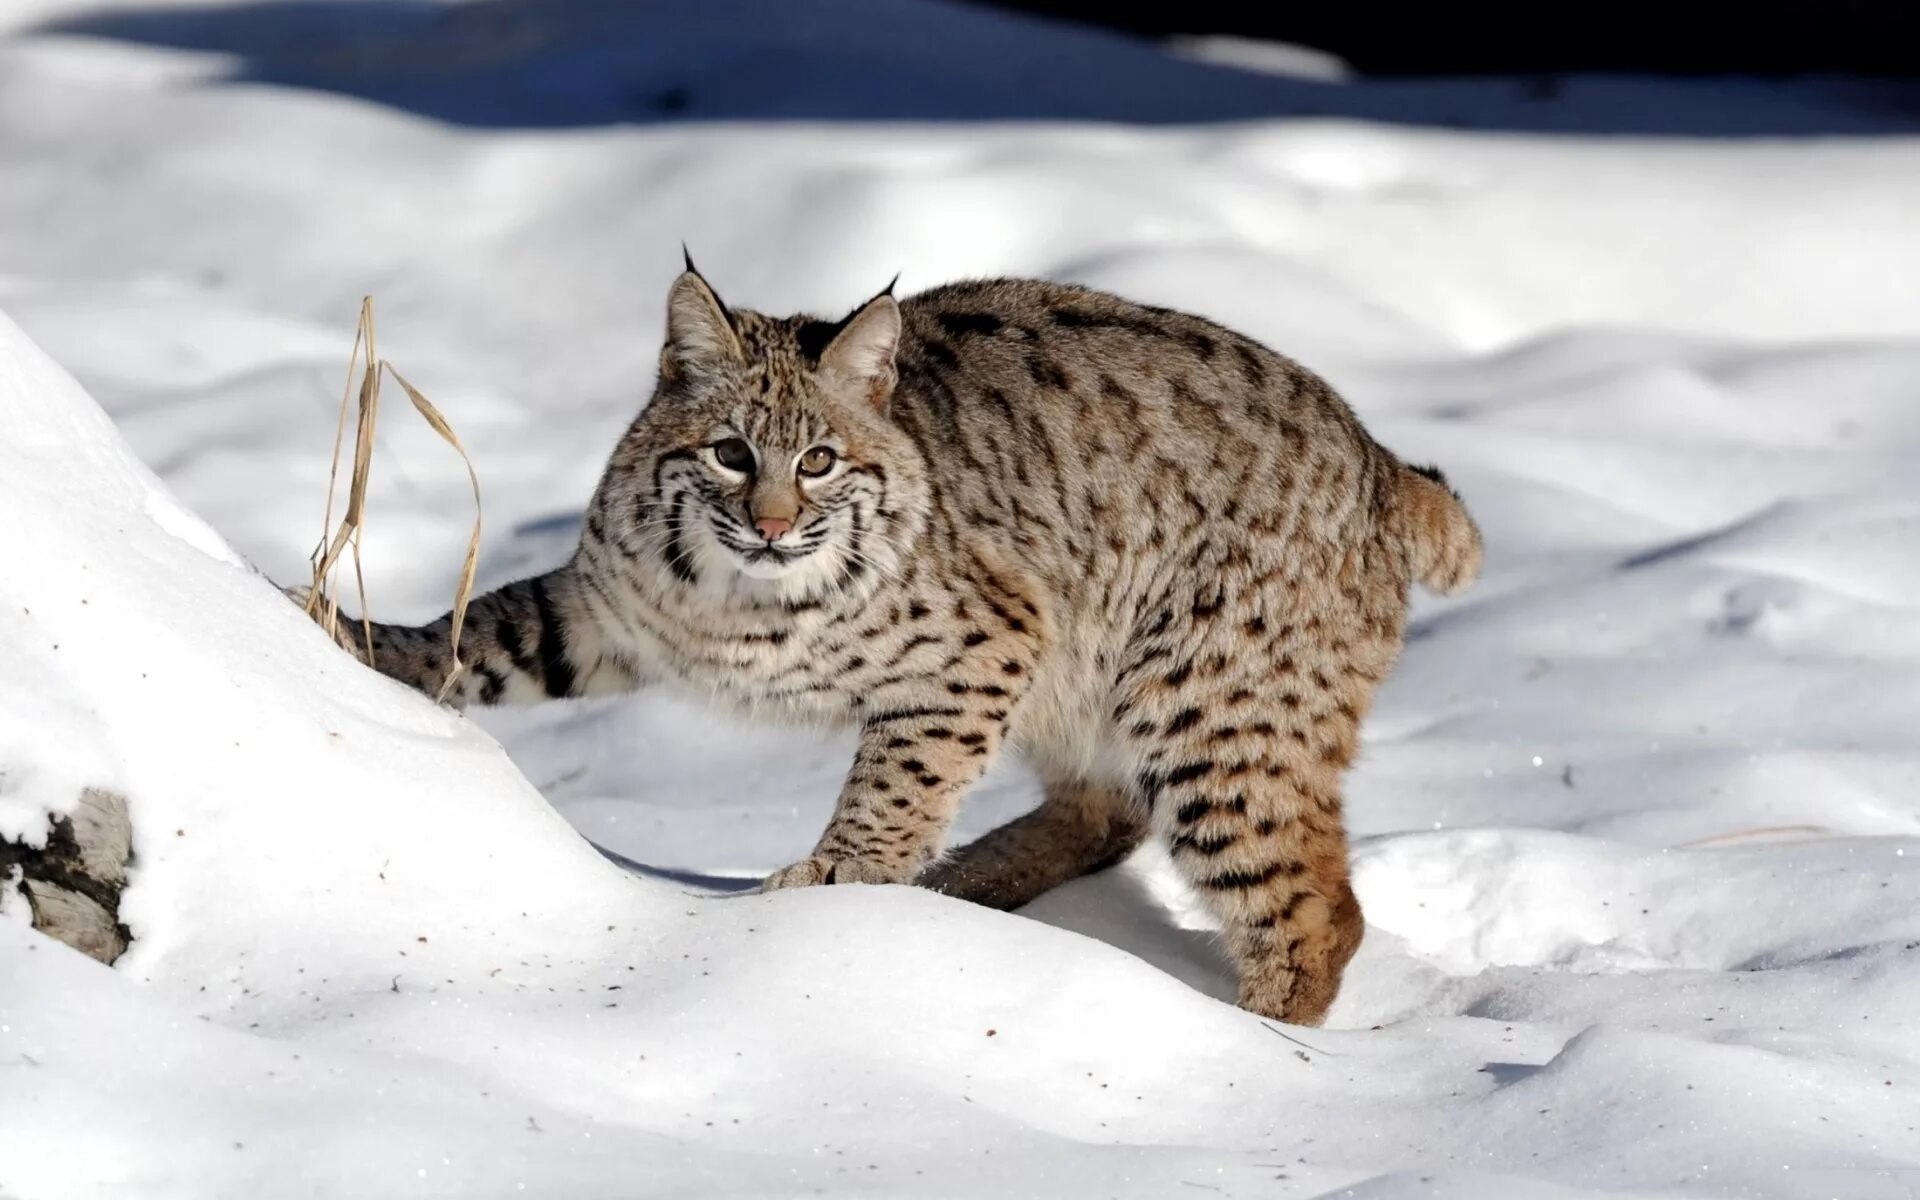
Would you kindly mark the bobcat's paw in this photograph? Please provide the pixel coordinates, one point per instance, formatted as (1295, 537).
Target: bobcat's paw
(819, 869)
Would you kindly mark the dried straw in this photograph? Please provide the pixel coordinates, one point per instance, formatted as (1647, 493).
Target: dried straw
(1780, 832)
(322, 603)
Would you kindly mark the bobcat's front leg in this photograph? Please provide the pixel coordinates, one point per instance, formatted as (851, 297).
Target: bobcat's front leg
(921, 748)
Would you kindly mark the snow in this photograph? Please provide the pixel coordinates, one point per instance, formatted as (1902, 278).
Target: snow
(1637, 824)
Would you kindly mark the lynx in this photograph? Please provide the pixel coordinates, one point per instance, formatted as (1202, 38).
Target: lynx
(1165, 564)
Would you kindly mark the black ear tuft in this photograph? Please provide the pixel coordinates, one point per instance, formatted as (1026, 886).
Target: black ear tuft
(888, 290)
(686, 255)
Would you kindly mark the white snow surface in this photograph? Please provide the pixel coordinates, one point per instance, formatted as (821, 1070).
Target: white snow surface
(1637, 828)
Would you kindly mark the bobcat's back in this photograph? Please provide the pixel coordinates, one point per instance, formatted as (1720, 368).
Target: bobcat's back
(1091, 433)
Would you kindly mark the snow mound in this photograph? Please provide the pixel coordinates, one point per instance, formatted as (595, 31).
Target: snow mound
(375, 961)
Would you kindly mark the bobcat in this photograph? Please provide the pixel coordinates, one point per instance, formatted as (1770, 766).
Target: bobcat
(1166, 564)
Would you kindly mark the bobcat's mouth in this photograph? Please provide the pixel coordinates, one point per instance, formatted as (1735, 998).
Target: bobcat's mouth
(774, 553)
(768, 560)
(771, 563)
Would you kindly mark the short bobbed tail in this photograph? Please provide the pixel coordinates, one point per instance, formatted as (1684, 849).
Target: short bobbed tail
(1442, 542)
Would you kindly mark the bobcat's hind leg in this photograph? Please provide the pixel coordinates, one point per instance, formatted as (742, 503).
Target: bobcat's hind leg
(1243, 731)
(1264, 848)
(1078, 829)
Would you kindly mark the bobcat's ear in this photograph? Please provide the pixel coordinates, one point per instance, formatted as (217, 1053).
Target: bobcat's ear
(699, 327)
(861, 354)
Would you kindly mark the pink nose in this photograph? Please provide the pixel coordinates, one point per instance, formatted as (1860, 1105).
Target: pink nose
(772, 528)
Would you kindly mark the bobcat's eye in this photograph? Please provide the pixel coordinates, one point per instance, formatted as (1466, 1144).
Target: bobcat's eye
(734, 454)
(817, 461)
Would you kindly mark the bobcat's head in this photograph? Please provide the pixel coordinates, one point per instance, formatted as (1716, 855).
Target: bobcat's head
(766, 462)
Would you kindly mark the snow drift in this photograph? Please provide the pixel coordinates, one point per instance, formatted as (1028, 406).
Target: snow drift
(370, 959)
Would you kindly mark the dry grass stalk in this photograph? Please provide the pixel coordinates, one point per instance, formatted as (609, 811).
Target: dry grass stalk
(323, 604)
(1779, 832)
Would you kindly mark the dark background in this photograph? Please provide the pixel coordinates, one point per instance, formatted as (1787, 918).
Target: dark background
(1772, 68)
(1764, 37)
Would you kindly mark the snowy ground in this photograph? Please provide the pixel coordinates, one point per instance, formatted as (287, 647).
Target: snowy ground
(1638, 823)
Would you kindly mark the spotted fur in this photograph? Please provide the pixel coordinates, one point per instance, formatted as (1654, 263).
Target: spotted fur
(1165, 563)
